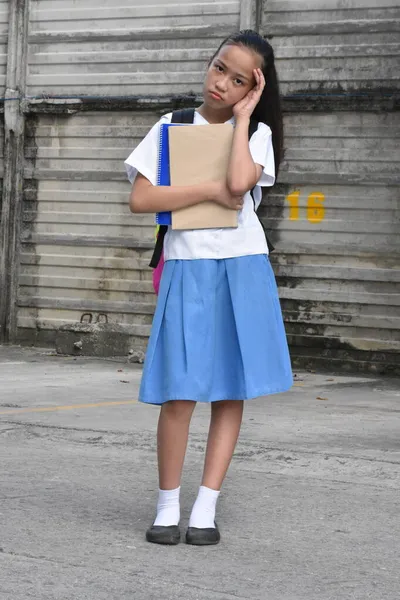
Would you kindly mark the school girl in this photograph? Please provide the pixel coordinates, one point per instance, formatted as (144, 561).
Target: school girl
(217, 333)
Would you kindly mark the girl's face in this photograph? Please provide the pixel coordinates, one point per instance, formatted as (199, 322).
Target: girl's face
(230, 76)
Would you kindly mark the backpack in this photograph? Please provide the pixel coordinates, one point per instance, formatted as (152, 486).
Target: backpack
(186, 115)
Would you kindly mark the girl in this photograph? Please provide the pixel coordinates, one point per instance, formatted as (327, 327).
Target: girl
(217, 333)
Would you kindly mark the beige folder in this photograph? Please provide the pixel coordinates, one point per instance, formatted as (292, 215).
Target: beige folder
(198, 154)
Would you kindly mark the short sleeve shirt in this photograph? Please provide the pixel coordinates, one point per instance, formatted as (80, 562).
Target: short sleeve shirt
(248, 238)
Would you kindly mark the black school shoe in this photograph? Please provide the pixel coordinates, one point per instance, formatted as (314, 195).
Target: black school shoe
(158, 534)
(208, 536)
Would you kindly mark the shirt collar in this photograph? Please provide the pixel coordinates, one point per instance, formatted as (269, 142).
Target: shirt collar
(231, 120)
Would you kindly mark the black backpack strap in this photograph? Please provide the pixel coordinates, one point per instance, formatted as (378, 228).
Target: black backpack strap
(183, 115)
(158, 248)
(252, 129)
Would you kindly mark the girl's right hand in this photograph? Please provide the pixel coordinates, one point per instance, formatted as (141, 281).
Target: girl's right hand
(224, 196)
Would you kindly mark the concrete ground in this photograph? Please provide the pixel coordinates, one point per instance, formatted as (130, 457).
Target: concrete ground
(310, 508)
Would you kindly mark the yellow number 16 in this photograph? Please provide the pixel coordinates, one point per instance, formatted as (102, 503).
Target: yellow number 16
(315, 206)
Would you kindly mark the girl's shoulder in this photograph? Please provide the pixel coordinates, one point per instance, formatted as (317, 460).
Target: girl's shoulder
(165, 118)
(261, 138)
(263, 129)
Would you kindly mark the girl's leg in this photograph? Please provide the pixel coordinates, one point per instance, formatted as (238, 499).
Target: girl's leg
(226, 419)
(172, 436)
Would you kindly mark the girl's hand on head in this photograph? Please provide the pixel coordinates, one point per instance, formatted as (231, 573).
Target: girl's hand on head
(224, 196)
(244, 108)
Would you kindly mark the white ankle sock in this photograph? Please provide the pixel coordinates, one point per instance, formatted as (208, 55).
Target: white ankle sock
(203, 511)
(168, 508)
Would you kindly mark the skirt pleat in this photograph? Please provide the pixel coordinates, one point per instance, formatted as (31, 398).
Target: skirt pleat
(217, 333)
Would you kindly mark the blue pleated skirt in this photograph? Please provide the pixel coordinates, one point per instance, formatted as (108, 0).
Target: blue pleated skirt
(217, 333)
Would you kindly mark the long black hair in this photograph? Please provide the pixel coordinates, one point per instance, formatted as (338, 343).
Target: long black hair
(268, 109)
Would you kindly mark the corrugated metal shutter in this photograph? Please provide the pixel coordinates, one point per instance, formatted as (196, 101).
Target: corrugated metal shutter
(330, 44)
(83, 252)
(137, 48)
(1, 157)
(4, 9)
(336, 211)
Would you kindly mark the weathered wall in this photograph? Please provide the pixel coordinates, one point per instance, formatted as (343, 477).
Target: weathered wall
(98, 77)
(136, 48)
(336, 213)
(83, 250)
(94, 72)
(327, 45)
(13, 164)
(4, 18)
(3, 69)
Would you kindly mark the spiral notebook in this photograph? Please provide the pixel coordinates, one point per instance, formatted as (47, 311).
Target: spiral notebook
(189, 155)
(163, 175)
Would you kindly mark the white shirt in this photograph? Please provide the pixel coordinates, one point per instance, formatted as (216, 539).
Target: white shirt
(248, 238)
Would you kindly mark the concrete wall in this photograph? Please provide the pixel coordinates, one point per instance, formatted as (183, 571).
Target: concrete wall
(336, 210)
(4, 18)
(326, 45)
(139, 48)
(3, 69)
(95, 78)
(83, 251)
(335, 217)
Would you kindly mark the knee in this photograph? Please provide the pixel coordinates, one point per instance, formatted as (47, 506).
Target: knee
(178, 409)
(227, 405)
(224, 403)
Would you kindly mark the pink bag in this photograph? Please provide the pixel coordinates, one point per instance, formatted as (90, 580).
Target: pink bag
(157, 273)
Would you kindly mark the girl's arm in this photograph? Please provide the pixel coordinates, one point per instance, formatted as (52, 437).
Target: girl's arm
(243, 172)
(148, 198)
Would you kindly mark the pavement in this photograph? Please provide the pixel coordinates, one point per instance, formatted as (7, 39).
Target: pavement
(310, 509)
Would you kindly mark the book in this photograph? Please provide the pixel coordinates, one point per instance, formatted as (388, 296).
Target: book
(163, 173)
(200, 154)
